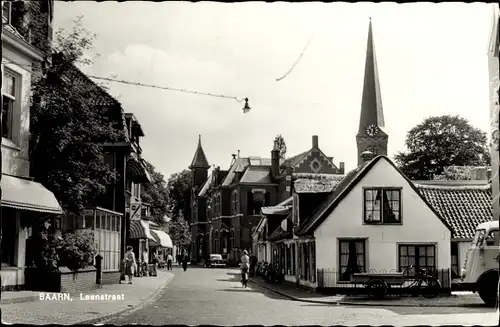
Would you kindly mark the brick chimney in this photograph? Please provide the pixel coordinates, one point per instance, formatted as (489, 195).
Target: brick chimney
(342, 167)
(315, 142)
(366, 156)
(275, 160)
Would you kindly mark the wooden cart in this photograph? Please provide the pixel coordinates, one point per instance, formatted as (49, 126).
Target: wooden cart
(379, 284)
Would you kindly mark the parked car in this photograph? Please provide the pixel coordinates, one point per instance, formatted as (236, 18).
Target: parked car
(216, 260)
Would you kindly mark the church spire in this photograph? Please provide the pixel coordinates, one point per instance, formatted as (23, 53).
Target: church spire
(199, 159)
(371, 104)
(371, 137)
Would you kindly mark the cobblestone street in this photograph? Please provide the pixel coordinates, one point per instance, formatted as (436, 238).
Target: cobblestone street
(215, 297)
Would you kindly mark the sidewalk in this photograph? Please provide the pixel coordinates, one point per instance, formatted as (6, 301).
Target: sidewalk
(457, 299)
(81, 311)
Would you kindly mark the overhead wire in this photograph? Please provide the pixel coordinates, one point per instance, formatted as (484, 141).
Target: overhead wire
(298, 59)
(29, 68)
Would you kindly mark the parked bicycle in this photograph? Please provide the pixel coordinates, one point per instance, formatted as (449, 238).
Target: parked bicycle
(379, 284)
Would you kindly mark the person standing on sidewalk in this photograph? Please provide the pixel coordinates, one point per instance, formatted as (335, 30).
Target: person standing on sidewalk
(155, 263)
(130, 263)
(169, 261)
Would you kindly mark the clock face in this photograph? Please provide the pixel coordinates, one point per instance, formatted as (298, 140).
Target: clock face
(371, 130)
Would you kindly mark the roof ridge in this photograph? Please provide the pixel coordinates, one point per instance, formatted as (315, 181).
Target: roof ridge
(453, 187)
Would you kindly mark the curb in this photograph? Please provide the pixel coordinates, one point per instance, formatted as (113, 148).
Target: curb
(131, 307)
(19, 300)
(364, 304)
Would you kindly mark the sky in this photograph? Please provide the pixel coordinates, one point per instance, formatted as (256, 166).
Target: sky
(432, 60)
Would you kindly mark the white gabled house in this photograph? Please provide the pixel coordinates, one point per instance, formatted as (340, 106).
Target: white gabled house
(376, 220)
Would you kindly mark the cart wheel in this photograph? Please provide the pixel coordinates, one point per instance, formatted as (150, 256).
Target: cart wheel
(431, 290)
(377, 289)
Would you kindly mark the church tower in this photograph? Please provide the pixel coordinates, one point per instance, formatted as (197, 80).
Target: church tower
(199, 173)
(371, 136)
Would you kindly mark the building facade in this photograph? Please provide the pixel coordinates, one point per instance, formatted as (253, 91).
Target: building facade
(226, 204)
(22, 197)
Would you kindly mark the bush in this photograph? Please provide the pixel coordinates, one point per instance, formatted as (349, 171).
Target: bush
(77, 250)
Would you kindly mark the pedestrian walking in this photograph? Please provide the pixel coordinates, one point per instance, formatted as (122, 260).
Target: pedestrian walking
(130, 263)
(169, 262)
(244, 266)
(184, 260)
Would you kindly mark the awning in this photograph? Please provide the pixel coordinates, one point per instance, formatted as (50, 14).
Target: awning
(162, 238)
(139, 229)
(136, 171)
(23, 194)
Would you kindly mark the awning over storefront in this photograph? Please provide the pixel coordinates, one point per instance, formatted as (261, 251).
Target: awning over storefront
(23, 194)
(282, 208)
(162, 238)
(136, 171)
(140, 229)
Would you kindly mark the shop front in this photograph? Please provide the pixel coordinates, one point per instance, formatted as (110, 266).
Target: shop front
(22, 199)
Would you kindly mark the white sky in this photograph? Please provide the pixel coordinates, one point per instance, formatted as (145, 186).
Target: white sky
(432, 60)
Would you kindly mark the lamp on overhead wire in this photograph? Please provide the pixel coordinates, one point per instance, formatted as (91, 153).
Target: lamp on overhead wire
(246, 108)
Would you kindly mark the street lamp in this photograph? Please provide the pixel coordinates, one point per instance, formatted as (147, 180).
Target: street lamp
(246, 108)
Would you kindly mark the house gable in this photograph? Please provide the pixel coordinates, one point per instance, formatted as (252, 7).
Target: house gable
(420, 223)
(352, 180)
(315, 161)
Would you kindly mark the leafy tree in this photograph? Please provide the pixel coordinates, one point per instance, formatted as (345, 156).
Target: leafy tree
(280, 142)
(68, 123)
(440, 142)
(461, 173)
(156, 194)
(180, 231)
(179, 195)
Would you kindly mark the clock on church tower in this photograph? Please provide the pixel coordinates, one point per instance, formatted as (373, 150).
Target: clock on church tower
(371, 130)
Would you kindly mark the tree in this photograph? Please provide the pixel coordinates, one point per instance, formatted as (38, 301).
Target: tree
(156, 194)
(180, 231)
(179, 195)
(280, 142)
(69, 122)
(461, 173)
(440, 142)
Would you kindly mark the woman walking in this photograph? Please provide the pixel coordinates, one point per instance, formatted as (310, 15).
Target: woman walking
(245, 265)
(130, 263)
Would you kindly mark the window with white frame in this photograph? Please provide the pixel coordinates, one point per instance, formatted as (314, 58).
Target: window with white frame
(9, 93)
(382, 206)
(106, 227)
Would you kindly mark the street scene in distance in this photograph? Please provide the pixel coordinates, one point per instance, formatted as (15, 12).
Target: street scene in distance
(255, 163)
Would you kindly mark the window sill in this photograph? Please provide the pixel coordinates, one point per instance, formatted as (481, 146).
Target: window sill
(11, 268)
(10, 144)
(382, 224)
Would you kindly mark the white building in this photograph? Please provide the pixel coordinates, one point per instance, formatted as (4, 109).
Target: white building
(21, 196)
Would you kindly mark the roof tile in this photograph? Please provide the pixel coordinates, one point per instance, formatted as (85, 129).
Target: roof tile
(463, 207)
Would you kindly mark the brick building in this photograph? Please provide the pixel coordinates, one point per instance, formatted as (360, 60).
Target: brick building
(226, 204)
